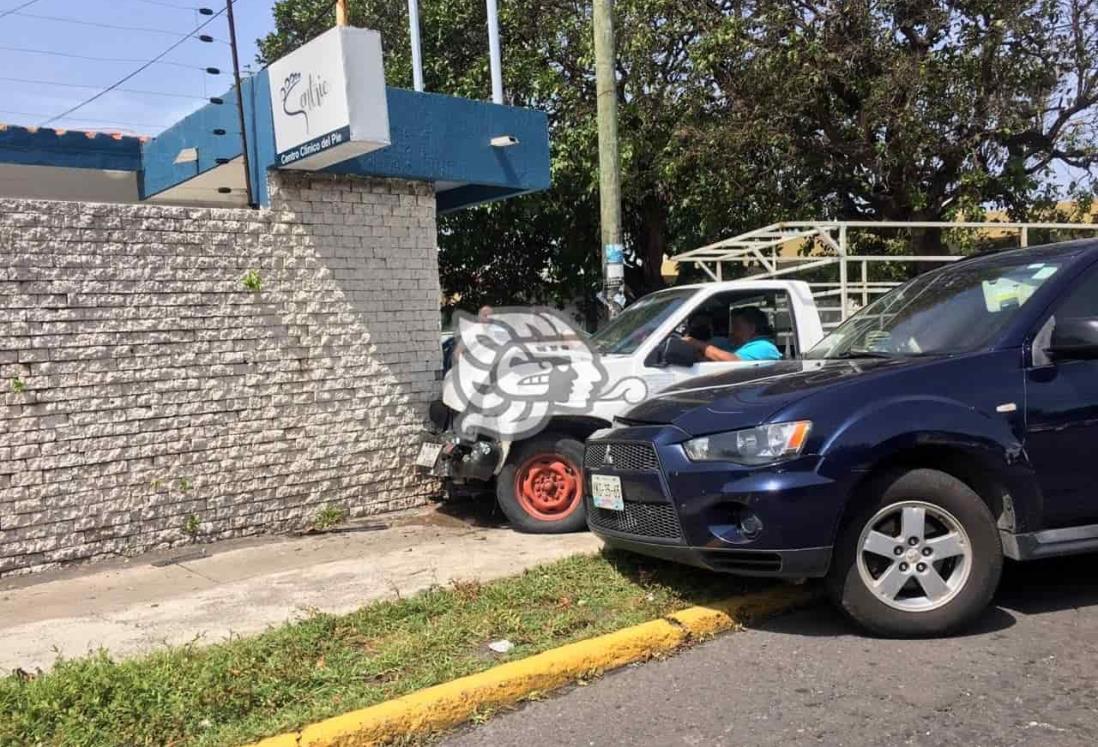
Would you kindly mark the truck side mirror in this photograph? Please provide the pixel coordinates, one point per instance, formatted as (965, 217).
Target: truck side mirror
(1074, 339)
(674, 351)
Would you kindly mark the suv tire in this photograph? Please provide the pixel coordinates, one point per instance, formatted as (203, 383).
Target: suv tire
(540, 488)
(922, 558)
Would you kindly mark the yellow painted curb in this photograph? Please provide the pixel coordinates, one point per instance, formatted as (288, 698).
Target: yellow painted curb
(452, 703)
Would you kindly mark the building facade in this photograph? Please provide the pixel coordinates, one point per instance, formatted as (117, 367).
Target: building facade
(176, 367)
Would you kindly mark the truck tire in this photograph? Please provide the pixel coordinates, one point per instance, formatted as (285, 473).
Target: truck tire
(540, 488)
(922, 558)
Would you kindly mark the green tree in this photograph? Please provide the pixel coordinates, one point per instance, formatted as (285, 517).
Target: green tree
(921, 109)
(679, 187)
(737, 113)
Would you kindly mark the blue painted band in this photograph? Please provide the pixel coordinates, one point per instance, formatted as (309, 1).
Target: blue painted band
(434, 138)
(443, 138)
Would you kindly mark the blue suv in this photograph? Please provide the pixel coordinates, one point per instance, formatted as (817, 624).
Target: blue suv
(947, 425)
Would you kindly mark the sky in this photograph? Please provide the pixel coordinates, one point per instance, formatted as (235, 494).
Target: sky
(35, 87)
(29, 94)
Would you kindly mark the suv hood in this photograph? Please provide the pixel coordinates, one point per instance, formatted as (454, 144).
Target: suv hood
(746, 397)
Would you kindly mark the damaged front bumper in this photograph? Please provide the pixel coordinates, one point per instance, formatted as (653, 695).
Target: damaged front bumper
(446, 454)
(449, 456)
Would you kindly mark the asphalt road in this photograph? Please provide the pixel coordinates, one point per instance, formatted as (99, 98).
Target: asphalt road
(1027, 674)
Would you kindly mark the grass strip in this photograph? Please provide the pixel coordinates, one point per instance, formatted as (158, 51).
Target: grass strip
(248, 688)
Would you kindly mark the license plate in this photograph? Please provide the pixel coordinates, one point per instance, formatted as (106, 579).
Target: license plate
(428, 455)
(606, 492)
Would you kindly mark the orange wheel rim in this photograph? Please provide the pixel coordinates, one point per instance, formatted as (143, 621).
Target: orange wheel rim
(549, 487)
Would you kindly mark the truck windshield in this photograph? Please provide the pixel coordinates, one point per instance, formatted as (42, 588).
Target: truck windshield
(953, 310)
(624, 334)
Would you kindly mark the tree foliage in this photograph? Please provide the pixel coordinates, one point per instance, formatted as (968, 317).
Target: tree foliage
(737, 113)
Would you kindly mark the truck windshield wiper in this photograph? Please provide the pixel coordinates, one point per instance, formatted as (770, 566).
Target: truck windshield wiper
(851, 354)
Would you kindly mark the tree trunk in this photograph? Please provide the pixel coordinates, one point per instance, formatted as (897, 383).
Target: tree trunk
(652, 245)
(927, 241)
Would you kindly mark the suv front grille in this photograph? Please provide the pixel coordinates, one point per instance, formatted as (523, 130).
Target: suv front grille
(644, 519)
(625, 456)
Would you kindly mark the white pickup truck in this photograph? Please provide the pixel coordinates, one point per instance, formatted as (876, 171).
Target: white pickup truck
(538, 481)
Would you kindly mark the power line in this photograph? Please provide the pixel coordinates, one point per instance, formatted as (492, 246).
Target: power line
(84, 119)
(163, 4)
(18, 8)
(139, 70)
(309, 29)
(305, 32)
(101, 25)
(69, 55)
(136, 91)
(319, 17)
(311, 25)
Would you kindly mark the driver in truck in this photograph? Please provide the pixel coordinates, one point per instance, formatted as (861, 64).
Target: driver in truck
(751, 336)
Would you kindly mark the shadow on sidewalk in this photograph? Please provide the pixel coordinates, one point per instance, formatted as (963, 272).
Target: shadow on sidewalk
(474, 510)
(694, 585)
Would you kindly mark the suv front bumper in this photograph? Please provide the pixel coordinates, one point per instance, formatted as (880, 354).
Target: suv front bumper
(778, 520)
(811, 562)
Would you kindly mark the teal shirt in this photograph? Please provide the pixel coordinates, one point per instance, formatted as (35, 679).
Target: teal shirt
(723, 343)
(759, 349)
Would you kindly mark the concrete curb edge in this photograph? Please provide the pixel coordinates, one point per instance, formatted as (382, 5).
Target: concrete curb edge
(452, 703)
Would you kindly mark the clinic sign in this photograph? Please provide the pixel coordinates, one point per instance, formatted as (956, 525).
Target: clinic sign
(328, 100)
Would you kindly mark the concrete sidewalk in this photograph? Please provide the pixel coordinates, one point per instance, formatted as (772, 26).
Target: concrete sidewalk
(207, 593)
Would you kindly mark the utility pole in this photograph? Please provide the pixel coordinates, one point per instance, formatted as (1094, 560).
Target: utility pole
(341, 13)
(606, 87)
(240, 105)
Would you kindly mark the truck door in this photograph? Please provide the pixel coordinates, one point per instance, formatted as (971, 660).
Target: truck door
(1062, 420)
(775, 305)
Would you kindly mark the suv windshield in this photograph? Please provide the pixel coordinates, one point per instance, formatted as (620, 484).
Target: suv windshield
(625, 333)
(953, 310)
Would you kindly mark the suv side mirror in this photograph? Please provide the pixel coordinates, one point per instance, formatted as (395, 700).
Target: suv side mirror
(1074, 339)
(674, 351)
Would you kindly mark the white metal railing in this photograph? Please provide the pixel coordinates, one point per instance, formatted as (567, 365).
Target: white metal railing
(495, 61)
(763, 248)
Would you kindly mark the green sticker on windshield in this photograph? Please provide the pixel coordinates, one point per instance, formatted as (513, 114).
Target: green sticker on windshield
(1005, 293)
(1044, 273)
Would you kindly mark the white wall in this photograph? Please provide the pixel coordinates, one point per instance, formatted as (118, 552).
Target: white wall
(158, 397)
(54, 183)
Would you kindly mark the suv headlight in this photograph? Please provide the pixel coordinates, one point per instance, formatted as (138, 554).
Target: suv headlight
(752, 446)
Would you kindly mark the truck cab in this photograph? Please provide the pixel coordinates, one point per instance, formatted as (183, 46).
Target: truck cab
(538, 480)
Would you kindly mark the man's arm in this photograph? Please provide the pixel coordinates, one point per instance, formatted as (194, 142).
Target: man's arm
(711, 352)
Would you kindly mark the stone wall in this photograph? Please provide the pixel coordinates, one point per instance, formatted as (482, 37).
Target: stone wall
(151, 395)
